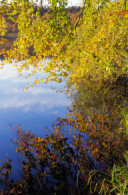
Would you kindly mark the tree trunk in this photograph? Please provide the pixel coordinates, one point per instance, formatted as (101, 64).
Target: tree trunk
(41, 6)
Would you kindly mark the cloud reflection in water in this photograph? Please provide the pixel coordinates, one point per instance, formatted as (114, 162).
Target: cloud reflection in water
(33, 109)
(41, 97)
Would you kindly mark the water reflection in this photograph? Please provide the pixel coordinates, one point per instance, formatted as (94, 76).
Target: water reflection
(41, 98)
(33, 109)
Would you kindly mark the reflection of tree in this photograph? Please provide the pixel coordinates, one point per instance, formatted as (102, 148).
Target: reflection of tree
(59, 164)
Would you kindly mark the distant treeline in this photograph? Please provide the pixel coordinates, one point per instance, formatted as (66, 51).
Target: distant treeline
(73, 13)
(70, 9)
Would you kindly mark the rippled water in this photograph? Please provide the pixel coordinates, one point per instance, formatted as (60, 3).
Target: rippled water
(33, 109)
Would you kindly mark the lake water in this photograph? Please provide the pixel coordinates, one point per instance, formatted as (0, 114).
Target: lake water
(33, 109)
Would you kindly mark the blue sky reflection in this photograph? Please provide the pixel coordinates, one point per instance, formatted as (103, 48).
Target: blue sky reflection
(33, 109)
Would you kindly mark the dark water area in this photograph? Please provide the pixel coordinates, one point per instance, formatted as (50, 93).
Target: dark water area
(34, 109)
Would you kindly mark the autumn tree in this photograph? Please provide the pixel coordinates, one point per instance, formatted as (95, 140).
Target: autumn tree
(92, 54)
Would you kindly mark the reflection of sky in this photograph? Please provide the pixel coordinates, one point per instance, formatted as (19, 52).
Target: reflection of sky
(41, 97)
(33, 109)
(41, 100)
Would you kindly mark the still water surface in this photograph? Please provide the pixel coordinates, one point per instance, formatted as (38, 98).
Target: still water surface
(33, 109)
